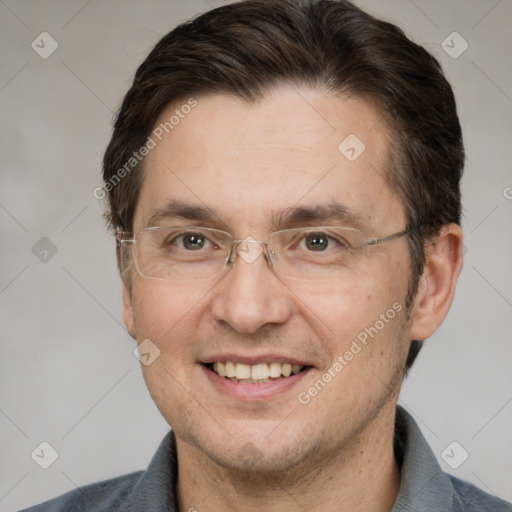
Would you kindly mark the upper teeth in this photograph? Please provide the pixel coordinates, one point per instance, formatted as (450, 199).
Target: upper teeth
(261, 371)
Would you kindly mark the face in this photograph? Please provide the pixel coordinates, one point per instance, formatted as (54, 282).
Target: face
(255, 169)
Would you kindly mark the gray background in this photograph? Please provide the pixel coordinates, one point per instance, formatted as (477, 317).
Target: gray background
(68, 374)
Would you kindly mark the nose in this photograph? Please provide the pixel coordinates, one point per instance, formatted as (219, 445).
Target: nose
(251, 296)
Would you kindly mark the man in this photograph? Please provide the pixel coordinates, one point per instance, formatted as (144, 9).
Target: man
(283, 181)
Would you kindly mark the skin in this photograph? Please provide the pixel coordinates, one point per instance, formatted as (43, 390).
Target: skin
(244, 162)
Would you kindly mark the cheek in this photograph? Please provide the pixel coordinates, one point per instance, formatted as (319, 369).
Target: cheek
(163, 311)
(363, 316)
(168, 314)
(345, 306)
(171, 314)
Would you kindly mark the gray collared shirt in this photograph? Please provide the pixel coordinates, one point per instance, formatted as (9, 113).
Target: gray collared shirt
(424, 486)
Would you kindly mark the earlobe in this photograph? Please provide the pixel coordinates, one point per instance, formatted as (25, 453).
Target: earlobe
(436, 288)
(128, 315)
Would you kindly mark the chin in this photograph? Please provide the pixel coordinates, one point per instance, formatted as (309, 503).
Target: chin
(259, 451)
(249, 459)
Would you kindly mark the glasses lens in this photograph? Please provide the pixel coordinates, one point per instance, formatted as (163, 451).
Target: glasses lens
(315, 252)
(181, 253)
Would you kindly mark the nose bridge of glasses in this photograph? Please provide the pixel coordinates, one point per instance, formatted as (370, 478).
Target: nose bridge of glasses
(248, 249)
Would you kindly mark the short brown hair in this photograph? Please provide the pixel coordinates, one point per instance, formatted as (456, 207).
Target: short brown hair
(247, 48)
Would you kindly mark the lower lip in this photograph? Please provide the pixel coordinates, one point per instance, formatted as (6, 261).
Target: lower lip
(253, 391)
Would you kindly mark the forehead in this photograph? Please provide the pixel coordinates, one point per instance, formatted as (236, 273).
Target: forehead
(250, 162)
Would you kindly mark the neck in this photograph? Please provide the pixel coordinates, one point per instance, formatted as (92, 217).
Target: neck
(361, 477)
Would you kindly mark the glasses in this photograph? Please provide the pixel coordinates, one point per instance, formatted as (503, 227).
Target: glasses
(193, 253)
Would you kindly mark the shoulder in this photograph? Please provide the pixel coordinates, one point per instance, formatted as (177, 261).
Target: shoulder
(425, 486)
(152, 489)
(98, 497)
(469, 498)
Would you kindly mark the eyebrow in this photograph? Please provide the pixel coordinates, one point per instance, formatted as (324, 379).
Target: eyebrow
(179, 209)
(333, 213)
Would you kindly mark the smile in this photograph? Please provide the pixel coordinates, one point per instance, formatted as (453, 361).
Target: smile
(254, 374)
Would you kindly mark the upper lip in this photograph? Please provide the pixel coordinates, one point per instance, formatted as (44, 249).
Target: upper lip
(252, 360)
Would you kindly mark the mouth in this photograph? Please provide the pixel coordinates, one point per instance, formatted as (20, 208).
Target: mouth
(257, 373)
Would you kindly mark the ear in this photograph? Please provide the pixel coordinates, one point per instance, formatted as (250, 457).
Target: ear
(436, 288)
(129, 318)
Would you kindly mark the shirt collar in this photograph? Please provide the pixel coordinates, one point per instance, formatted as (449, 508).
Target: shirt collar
(156, 488)
(424, 486)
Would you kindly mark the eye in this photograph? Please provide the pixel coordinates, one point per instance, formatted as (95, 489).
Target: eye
(193, 241)
(319, 241)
